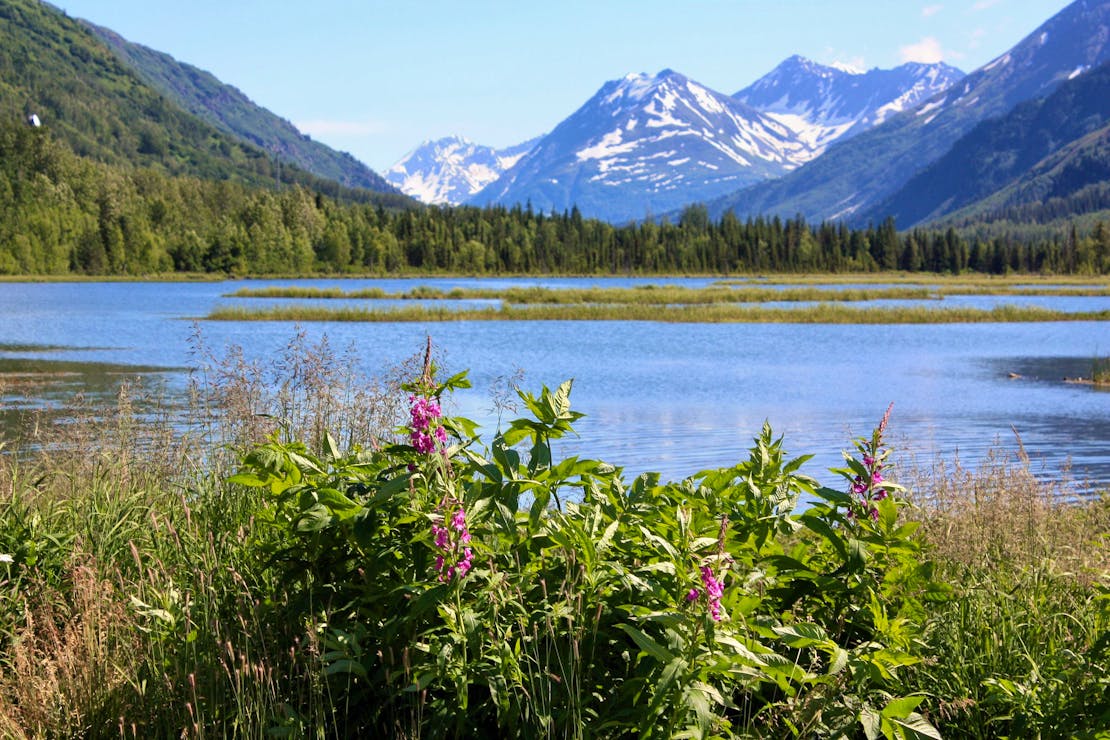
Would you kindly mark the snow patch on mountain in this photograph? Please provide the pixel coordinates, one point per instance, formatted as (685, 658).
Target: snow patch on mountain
(452, 169)
(826, 103)
(645, 144)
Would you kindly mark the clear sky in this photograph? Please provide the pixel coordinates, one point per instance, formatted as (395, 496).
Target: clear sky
(377, 77)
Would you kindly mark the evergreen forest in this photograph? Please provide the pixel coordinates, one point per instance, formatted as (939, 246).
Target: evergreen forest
(61, 214)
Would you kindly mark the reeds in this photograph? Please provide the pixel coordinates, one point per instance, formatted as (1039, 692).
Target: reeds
(651, 295)
(823, 313)
(1019, 646)
(720, 292)
(136, 603)
(999, 514)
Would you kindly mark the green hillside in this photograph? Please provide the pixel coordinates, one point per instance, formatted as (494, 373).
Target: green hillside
(1047, 149)
(230, 111)
(853, 177)
(57, 69)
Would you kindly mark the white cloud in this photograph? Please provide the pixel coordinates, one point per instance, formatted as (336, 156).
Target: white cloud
(930, 10)
(323, 127)
(926, 51)
(984, 4)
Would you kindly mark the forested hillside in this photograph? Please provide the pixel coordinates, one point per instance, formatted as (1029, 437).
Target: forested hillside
(1010, 151)
(230, 111)
(64, 214)
(55, 68)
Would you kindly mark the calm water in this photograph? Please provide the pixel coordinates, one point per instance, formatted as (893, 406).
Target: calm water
(676, 398)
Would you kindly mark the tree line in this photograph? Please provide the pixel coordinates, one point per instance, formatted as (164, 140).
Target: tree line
(61, 214)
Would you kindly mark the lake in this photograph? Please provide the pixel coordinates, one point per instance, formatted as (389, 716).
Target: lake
(674, 398)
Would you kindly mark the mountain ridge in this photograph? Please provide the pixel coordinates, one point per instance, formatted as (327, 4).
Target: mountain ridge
(857, 174)
(1003, 152)
(829, 103)
(647, 144)
(228, 109)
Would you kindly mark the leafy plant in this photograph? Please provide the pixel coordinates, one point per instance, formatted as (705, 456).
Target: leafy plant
(465, 590)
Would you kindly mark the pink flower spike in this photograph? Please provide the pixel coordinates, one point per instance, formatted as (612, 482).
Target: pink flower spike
(692, 595)
(458, 521)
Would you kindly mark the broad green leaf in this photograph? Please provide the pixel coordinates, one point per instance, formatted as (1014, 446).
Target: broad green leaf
(561, 402)
(248, 479)
(805, 634)
(648, 645)
(901, 707)
(916, 727)
(337, 503)
(819, 526)
(346, 665)
(871, 723)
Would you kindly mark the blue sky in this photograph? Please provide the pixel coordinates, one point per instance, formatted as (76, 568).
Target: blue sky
(376, 78)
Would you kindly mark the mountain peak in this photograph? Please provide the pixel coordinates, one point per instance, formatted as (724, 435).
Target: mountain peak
(649, 144)
(452, 168)
(827, 103)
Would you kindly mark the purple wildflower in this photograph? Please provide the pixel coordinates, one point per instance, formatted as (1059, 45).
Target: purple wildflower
(714, 590)
(449, 540)
(867, 485)
(425, 428)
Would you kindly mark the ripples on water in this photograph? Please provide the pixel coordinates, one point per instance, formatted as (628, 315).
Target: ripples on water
(668, 397)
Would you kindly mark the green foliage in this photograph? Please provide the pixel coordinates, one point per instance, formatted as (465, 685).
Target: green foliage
(58, 69)
(700, 608)
(460, 590)
(66, 214)
(229, 110)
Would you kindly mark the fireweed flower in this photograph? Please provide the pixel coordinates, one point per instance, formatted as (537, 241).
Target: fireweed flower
(714, 590)
(453, 559)
(866, 486)
(425, 424)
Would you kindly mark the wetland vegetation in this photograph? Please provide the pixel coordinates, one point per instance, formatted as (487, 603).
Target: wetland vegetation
(351, 561)
(823, 313)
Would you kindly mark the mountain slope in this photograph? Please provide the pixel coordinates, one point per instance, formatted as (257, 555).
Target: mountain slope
(825, 104)
(453, 169)
(1004, 151)
(55, 68)
(852, 177)
(646, 145)
(232, 112)
(1069, 187)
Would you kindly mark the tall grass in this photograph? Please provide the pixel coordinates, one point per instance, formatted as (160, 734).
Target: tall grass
(136, 603)
(721, 292)
(824, 313)
(1022, 648)
(644, 294)
(146, 597)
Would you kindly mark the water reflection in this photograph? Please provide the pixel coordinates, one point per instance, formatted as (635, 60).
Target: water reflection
(670, 397)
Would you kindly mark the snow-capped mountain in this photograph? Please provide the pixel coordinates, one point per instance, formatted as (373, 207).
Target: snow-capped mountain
(825, 103)
(853, 178)
(452, 169)
(644, 145)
